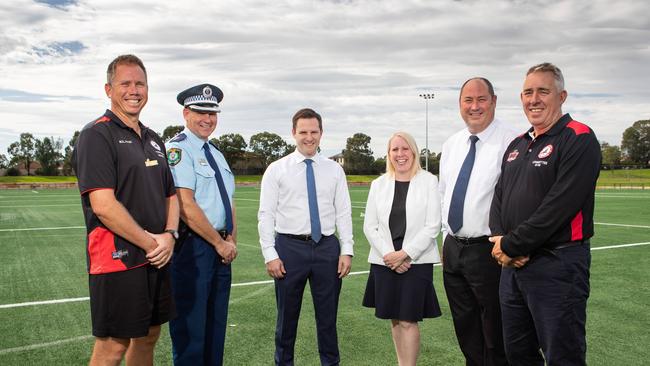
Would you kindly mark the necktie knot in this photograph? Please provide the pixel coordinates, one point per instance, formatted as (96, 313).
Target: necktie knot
(308, 161)
(473, 139)
(206, 147)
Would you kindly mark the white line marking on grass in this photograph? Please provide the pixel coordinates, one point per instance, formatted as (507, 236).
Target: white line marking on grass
(44, 228)
(265, 282)
(621, 196)
(61, 205)
(43, 345)
(35, 191)
(623, 225)
(621, 246)
(46, 302)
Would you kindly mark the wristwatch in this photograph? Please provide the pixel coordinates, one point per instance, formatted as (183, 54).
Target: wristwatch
(173, 232)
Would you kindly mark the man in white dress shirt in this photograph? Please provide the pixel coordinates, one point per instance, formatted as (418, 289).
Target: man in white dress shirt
(304, 199)
(469, 169)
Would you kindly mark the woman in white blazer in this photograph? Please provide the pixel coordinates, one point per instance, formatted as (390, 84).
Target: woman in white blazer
(402, 221)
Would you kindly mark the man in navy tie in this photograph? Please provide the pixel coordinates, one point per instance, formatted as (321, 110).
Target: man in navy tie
(469, 169)
(304, 199)
(201, 273)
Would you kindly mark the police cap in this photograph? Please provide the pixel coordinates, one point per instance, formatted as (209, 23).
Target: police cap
(203, 98)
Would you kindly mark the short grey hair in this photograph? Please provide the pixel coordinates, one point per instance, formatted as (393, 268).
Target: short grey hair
(549, 67)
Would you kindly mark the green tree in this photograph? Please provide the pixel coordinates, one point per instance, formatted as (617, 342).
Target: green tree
(611, 154)
(4, 162)
(171, 131)
(268, 146)
(48, 153)
(636, 142)
(22, 151)
(232, 146)
(358, 155)
(379, 166)
(67, 156)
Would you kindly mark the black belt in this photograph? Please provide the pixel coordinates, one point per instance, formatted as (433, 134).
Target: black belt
(302, 237)
(470, 241)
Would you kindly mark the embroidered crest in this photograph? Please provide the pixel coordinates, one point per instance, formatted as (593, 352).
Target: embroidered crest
(174, 156)
(155, 145)
(513, 155)
(546, 151)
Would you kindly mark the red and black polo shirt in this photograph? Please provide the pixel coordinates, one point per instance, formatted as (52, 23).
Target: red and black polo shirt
(545, 194)
(111, 155)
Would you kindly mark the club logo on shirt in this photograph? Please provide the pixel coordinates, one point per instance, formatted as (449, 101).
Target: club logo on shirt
(119, 254)
(174, 156)
(513, 155)
(546, 151)
(155, 145)
(125, 141)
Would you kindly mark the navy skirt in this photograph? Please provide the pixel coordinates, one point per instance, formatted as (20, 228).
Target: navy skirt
(408, 296)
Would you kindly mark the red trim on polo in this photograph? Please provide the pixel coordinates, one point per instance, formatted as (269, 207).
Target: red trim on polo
(578, 128)
(102, 119)
(576, 227)
(101, 245)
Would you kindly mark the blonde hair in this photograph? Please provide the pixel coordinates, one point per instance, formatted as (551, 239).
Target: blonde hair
(410, 141)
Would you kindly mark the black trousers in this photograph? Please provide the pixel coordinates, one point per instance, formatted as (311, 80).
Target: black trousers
(544, 305)
(471, 278)
(318, 263)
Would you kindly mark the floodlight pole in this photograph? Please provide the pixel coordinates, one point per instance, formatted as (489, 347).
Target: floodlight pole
(426, 98)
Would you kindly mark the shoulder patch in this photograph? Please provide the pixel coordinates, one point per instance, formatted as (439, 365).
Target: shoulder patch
(578, 128)
(102, 119)
(179, 137)
(174, 156)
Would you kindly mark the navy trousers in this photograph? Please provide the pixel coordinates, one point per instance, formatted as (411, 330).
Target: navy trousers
(201, 287)
(471, 278)
(544, 304)
(318, 263)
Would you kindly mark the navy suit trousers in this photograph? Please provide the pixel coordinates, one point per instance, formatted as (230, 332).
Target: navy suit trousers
(318, 263)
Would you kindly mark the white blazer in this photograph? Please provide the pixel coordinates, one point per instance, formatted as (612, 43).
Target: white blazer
(422, 218)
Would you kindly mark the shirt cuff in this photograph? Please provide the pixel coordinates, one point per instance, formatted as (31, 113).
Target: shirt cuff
(269, 254)
(347, 249)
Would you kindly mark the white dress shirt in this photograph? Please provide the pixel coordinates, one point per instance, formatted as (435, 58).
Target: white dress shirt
(422, 218)
(284, 206)
(490, 148)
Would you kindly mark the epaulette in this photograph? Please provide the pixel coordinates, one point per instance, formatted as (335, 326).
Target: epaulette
(214, 145)
(178, 138)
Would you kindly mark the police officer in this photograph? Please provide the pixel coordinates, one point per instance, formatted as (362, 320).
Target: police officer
(201, 273)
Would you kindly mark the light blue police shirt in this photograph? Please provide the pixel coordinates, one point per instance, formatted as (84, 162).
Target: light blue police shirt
(191, 170)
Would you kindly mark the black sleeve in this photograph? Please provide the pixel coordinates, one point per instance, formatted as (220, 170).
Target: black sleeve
(496, 227)
(94, 161)
(575, 181)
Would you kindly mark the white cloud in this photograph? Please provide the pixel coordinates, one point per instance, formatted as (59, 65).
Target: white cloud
(361, 64)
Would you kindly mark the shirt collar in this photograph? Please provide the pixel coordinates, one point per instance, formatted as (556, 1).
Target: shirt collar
(557, 127)
(296, 157)
(483, 135)
(119, 122)
(195, 141)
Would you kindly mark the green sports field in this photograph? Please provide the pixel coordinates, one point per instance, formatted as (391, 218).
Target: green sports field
(45, 320)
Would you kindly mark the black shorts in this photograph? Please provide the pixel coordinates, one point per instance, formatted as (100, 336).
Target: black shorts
(125, 304)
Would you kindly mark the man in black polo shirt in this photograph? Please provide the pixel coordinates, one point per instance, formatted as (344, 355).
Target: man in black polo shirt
(131, 213)
(542, 218)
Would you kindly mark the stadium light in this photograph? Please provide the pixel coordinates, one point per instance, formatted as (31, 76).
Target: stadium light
(426, 97)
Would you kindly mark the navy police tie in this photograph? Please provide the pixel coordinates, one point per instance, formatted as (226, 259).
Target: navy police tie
(313, 202)
(222, 187)
(457, 203)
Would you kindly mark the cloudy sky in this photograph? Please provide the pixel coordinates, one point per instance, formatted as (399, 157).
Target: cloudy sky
(362, 64)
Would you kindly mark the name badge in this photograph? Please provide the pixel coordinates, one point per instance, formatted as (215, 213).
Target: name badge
(203, 162)
(150, 162)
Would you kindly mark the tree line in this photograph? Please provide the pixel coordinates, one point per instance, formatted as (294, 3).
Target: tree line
(263, 148)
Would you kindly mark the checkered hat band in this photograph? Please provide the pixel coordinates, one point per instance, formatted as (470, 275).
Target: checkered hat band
(200, 99)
